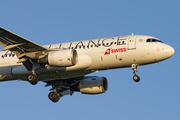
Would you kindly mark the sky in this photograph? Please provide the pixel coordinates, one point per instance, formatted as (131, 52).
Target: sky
(155, 97)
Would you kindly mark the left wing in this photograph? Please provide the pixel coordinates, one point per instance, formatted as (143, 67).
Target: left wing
(13, 39)
(24, 49)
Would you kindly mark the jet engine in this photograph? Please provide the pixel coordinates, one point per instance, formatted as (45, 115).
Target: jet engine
(93, 85)
(62, 58)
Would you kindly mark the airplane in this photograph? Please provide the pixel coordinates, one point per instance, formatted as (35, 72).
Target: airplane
(64, 66)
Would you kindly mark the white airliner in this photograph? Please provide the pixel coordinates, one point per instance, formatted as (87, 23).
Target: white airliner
(64, 66)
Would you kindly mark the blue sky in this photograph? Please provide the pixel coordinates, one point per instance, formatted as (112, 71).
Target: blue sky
(155, 97)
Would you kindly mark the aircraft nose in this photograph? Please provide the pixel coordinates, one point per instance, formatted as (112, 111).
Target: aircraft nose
(169, 51)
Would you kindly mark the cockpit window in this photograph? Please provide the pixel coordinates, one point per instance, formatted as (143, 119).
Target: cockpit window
(153, 40)
(159, 41)
(148, 40)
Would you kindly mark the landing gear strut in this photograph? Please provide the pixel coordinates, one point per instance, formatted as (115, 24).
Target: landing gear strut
(32, 78)
(54, 96)
(136, 78)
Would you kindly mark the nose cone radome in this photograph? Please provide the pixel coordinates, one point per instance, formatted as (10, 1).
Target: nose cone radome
(169, 51)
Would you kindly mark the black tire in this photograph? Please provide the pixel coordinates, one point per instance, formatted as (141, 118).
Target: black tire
(35, 82)
(52, 96)
(136, 78)
(56, 99)
(32, 79)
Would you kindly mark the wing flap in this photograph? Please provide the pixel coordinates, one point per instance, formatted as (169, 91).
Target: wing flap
(15, 50)
(9, 47)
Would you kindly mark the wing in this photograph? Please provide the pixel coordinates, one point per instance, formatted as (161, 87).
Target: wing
(24, 49)
(13, 39)
(62, 87)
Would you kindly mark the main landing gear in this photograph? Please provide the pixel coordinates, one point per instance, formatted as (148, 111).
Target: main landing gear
(54, 96)
(136, 78)
(32, 78)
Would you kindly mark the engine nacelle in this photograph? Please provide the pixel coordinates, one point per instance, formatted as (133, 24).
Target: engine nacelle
(94, 85)
(62, 58)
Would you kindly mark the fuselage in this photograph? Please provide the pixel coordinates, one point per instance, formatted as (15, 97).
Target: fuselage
(93, 55)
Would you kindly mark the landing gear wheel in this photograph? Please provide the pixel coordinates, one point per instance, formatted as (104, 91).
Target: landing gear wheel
(32, 79)
(35, 82)
(56, 99)
(136, 78)
(53, 96)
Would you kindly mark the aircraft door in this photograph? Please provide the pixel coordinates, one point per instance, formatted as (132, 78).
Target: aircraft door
(131, 42)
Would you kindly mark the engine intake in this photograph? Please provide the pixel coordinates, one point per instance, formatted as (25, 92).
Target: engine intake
(62, 58)
(94, 85)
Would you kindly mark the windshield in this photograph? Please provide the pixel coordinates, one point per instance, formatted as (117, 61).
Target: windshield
(153, 40)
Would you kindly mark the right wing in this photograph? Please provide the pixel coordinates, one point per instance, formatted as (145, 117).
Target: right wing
(62, 87)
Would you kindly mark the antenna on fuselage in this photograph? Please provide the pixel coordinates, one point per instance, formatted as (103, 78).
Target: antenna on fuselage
(132, 34)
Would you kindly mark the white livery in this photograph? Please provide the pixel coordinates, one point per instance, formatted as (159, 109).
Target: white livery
(64, 65)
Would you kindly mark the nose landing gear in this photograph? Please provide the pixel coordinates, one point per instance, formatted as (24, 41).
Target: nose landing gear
(136, 78)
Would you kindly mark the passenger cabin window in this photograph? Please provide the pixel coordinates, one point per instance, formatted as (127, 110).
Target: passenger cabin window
(153, 40)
